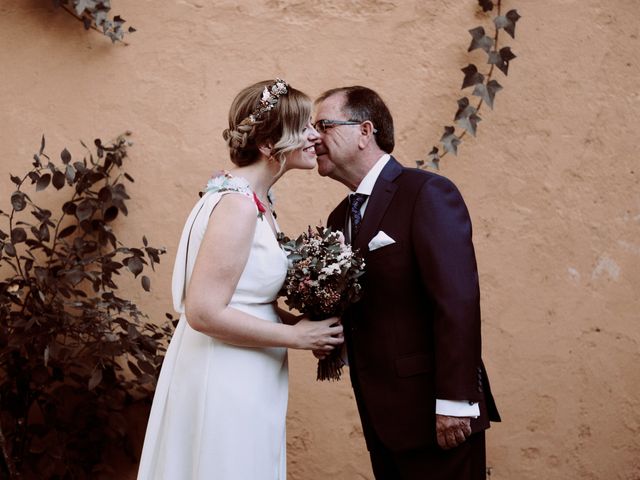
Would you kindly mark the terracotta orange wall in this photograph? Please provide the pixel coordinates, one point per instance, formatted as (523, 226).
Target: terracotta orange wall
(552, 183)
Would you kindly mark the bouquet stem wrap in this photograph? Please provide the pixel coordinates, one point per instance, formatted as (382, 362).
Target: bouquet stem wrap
(330, 367)
(322, 282)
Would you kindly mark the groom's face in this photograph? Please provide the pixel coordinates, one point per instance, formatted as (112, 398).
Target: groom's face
(336, 145)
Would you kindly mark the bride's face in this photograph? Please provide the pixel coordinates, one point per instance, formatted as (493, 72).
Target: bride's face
(305, 157)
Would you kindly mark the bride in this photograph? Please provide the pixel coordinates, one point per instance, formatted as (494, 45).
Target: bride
(220, 404)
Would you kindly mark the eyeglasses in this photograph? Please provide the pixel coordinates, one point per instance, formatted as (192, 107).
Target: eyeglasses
(323, 125)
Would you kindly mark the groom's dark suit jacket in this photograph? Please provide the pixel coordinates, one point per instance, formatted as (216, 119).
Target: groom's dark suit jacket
(415, 334)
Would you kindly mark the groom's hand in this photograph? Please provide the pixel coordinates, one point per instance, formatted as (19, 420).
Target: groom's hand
(452, 431)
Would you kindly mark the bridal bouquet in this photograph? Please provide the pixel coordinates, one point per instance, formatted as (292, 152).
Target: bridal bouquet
(322, 281)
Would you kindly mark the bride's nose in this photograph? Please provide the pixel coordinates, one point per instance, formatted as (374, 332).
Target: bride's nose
(312, 133)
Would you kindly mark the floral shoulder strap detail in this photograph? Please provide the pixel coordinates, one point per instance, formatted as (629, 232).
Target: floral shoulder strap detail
(225, 182)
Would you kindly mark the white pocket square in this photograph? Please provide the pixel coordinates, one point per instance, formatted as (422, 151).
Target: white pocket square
(380, 240)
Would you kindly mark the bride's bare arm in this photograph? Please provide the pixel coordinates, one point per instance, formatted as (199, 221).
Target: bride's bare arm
(221, 259)
(287, 317)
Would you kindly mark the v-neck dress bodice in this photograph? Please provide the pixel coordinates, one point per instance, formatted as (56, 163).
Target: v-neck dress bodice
(219, 410)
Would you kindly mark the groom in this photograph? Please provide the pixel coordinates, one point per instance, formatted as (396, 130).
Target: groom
(413, 341)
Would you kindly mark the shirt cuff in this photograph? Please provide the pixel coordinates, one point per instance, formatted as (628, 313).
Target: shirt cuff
(457, 408)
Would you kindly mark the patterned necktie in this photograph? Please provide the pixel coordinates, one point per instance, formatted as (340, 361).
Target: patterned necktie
(357, 199)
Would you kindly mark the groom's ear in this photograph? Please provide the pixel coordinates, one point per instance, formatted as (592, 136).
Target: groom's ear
(366, 133)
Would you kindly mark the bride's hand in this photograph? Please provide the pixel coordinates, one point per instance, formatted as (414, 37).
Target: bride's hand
(323, 335)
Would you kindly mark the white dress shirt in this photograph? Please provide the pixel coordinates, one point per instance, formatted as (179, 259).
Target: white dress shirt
(452, 408)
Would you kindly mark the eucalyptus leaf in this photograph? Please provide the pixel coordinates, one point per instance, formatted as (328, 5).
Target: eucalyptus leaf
(95, 379)
(65, 232)
(65, 156)
(58, 179)
(18, 235)
(18, 201)
(84, 210)
(10, 249)
(134, 264)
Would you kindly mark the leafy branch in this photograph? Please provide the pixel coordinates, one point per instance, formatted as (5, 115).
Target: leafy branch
(94, 15)
(73, 353)
(484, 85)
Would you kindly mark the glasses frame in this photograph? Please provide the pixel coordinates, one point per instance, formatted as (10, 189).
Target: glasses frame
(324, 125)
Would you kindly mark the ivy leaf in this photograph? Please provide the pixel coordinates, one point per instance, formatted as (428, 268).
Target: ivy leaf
(507, 22)
(434, 157)
(43, 182)
(466, 116)
(501, 59)
(15, 179)
(480, 40)
(486, 5)
(100, 17)
(487, 92)
(463, 108)
(41, 146)
(82, 5)
(450, 141)
(471, 76)
(146, 283)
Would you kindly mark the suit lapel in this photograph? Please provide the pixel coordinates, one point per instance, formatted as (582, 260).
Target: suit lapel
(381, 196)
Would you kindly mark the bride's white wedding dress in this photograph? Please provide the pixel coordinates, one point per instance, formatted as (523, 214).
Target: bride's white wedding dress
(219, 410)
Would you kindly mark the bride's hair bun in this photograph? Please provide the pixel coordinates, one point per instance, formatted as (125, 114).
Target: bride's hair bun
(238, 137)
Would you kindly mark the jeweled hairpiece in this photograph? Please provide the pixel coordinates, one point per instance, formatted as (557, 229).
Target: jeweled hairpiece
(270, 96)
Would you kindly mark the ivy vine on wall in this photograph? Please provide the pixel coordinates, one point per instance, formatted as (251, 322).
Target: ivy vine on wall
(484, 85)
(94, 14)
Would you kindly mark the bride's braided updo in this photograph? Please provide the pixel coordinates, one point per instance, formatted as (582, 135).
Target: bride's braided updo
(254, 122)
